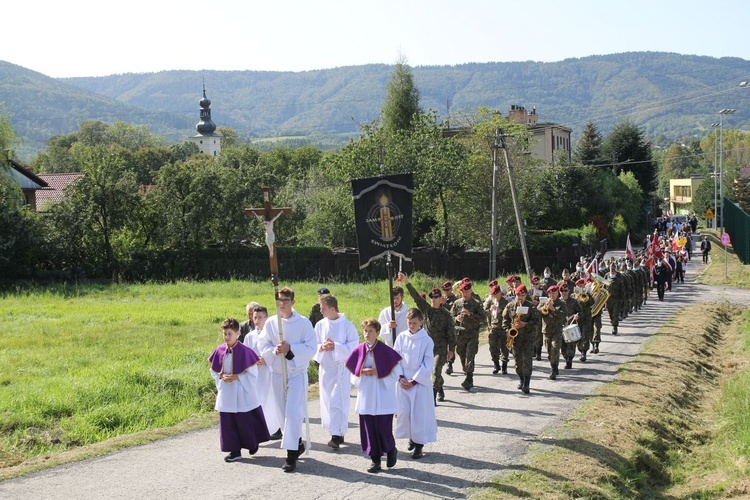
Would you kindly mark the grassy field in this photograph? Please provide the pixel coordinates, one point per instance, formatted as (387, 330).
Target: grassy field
(85, 364)
(723, 271)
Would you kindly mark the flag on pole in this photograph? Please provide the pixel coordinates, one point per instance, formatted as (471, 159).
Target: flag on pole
(593, 268)
(656, 249)
(383, 216)
(629, 250)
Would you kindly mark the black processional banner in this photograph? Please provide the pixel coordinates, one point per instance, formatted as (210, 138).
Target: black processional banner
(382, 215)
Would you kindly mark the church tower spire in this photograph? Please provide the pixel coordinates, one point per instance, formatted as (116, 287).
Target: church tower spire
(207, 140)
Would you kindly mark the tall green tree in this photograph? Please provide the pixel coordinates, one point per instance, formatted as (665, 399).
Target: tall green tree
(627, 150)
(401, 100)
(589, 147)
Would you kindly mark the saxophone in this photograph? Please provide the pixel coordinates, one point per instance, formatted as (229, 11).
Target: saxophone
(513, 332)
(545, 309)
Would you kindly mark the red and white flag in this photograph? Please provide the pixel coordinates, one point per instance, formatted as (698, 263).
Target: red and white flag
(656, 249)
(593, 267)
(629, 250)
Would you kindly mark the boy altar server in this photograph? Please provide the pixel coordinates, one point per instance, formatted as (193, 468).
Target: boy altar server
(375, 372)
(337, 337)
(297, 349)
(259, 317)
(416, 408)
(241, 421)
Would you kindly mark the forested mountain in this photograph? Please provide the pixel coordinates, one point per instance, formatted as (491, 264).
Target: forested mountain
(669, 95)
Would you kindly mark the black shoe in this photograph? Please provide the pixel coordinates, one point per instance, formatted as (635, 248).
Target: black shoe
(497, 368)
(441, 395)
(291, 460)
(520, 384)
(596, 348)
(583, 358)
(253, 452)
(568, 364)
(614, 330)
(375, 466)
(233, 457)
(335, 442)
(504, 368)
(449, 370)
(466, 384)
(411, 446)
(391, 458)
(417, 451)
(526, 382)
(276, 435)
(301, 447)
(434, 396)
(553, 373)
(539, 356)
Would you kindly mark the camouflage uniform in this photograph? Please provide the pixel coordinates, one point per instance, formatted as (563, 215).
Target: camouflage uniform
(449, 300)
(552, 325)
(586, 323)
(569, 348)
(614, 302)
(498, 336)
(523, 346)
(439, 325)
(467, 340)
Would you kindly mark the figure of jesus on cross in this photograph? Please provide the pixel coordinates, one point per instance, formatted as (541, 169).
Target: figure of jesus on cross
(267, 215)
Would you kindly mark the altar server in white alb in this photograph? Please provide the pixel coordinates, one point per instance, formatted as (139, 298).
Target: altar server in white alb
(258, 317)
(234, 369)
(297, 349)
(387, 324)
(415, 419)
(337, 337)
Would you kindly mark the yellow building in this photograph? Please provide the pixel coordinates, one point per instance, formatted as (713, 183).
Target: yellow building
(681, 193)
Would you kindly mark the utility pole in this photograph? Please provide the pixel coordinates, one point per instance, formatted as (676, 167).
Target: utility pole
(516, 207)
(493, 238)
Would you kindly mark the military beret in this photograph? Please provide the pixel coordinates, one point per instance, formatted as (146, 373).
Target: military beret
(465, 285)
(535, 279)
(495, 290)
(323, 291)
(553, 288)
(564, 287)
(492, 283)
(580, 282)
(521, 289)
(435, 293)
(447, 286)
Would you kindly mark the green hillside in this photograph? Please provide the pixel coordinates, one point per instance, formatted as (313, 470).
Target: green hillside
(671, 96)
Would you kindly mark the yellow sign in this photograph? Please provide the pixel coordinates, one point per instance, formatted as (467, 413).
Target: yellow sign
(709, 214)
(682, 242)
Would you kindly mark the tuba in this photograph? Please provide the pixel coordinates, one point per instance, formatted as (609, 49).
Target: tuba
(599, 293)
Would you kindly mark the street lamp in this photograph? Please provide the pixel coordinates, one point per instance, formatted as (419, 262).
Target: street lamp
(721, 159)
(715, 176)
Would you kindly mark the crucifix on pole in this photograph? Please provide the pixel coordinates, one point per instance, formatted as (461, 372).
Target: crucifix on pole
(267, 215)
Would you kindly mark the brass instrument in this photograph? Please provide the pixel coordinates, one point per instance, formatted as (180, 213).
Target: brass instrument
(583, 297)
(513, 332)
(599, 294)
(545, 309)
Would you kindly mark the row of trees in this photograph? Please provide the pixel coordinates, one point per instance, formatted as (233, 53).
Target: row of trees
(140, 196)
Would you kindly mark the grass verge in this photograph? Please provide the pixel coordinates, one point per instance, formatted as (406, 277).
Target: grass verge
(673, 424)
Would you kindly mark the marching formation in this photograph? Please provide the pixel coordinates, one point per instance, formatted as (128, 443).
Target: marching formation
(261, 370)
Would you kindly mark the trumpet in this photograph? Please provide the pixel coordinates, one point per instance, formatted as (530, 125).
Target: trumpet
(513, 332)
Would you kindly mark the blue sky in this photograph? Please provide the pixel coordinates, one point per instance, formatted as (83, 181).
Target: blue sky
(94, 38)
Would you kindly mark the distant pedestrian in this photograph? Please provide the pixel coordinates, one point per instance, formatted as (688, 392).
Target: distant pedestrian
(705, 249)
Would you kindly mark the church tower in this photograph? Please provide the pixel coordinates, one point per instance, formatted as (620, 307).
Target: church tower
(207, 140)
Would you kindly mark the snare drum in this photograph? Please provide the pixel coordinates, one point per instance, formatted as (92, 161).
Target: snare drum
(571, 333)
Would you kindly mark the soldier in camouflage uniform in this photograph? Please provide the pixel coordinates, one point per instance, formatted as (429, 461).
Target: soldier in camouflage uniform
(468, 313)
(523, 345)
(614, 302)
(574, 313)
(627, 281)
(534, 293)
(585, 322)
(494, 306)
(553, 313)
(448, 299)
(439, 325)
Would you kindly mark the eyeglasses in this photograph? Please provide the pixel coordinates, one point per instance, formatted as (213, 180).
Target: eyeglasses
(285, 299)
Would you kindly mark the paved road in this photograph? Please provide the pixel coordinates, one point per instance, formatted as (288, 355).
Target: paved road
(480, 434)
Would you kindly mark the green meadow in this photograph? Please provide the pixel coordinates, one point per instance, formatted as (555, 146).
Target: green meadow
(85, 363)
